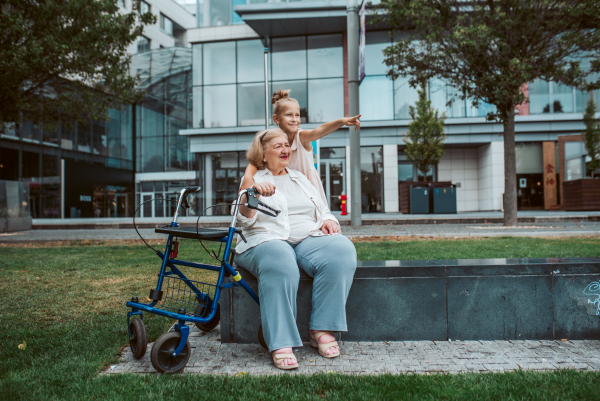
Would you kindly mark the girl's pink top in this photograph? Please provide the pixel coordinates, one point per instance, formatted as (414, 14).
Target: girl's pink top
(302, 161)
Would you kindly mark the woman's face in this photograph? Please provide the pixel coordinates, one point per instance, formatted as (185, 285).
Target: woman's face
(277, 153)
(288, 118)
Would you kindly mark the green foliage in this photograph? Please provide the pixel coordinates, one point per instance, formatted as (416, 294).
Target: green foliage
(425, 136)
(489, 49)
(591, 135)
(65, 60)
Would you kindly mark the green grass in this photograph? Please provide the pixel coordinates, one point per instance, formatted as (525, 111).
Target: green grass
(67, 303)
(503, 247)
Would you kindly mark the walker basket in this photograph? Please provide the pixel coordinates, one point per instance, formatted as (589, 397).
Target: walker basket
(194, 296)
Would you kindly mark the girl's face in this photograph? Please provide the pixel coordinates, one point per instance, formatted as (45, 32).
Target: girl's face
(288, 118)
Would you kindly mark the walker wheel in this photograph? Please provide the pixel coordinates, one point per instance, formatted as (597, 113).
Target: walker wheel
(165, 345)
(261, 337)
(138, 341)
(200, 309)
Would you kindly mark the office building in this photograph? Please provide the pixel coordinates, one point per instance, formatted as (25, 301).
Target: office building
(204, 76)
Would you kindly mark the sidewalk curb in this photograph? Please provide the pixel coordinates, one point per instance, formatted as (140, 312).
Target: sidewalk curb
(366, 222)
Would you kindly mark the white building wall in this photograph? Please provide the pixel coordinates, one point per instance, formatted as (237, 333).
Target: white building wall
(158, 38)
(491, 176)
(390, 178)
(460, 167)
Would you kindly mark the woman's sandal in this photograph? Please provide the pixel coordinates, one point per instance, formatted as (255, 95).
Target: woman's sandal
(314, 342)
(278, 358)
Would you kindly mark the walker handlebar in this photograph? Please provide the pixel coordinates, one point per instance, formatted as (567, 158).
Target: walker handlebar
(255, 203)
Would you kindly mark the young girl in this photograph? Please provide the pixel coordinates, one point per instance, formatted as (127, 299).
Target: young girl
(286, 114)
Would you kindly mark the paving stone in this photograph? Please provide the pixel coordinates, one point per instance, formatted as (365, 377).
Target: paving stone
(401, 357)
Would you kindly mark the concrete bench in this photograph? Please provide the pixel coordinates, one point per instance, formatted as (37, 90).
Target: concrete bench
(461, 299)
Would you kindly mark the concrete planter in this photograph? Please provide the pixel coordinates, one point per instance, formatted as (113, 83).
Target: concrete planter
(10, 224)
(479, 299)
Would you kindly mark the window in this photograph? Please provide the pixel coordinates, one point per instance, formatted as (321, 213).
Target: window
(376, 98)
(371, 169)
(404, 97)
(143, 44)
(121, 3)
(552, 97)
(298, 92)
(530, 175)
(223, 172)
(322, 94)
(166, 25)
(288, 58)
(250, 61)
(219, 106)
(325, 56)
(228, 79)
(144, 7)
(219, 63)
(251, 104)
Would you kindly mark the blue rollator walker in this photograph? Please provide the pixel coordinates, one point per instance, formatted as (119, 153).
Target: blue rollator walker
(183, 299)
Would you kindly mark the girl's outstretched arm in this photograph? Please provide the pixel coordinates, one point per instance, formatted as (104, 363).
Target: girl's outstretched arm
(307, 136)
(248, 176)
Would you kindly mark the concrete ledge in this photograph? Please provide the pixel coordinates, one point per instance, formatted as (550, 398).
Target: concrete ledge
(464, 299)
(225, 221)
(11, 224)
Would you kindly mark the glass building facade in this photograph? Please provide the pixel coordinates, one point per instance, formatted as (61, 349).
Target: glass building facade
(216, 88)
(228, 79)
(33, 156)
(384, 99)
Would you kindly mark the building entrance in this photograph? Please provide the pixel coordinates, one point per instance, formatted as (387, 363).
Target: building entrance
(334, 182)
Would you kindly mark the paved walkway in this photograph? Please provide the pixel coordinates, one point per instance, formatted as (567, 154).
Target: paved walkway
(209, 356)
(533, 216)
(556, 229)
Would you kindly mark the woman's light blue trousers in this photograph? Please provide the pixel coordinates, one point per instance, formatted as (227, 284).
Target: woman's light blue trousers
(330, 260)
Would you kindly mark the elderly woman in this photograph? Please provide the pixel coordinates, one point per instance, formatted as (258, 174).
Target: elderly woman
(305, 234)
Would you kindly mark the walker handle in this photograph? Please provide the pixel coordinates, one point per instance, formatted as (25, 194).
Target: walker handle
(257, 204)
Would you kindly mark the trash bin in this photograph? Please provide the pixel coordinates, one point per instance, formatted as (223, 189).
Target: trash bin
(419, 200)
(444, 200)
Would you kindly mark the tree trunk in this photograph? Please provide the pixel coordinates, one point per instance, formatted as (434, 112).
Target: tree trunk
(510, 171)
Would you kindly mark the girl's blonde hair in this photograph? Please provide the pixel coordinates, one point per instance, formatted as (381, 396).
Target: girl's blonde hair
(280, 98)
(256, 151)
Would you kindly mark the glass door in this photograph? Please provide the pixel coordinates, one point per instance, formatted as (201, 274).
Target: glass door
(334, 183)
(147, 209)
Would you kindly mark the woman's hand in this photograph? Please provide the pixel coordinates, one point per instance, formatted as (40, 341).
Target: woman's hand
(330, 227)
(265, 188)
(350, 121)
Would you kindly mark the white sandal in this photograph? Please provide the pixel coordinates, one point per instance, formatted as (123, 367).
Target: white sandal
(278, 358)
(314, 342)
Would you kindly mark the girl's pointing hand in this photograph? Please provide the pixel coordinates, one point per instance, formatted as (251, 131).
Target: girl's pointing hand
(353, 121)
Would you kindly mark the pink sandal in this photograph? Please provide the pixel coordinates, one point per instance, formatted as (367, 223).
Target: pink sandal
(278, 358)
(314, 342)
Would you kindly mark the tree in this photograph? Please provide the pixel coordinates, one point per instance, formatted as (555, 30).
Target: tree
(591, 135)
(65, 60)
(425, 136)
(487, 49)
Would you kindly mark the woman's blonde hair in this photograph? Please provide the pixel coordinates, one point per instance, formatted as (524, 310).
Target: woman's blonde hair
(256, 151)
(280, 98)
